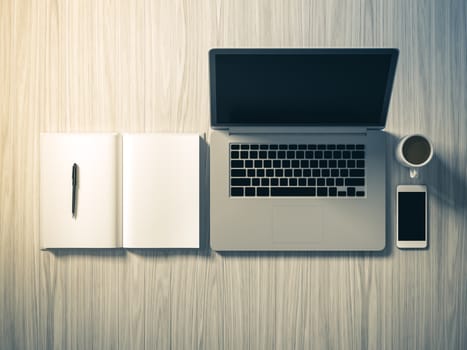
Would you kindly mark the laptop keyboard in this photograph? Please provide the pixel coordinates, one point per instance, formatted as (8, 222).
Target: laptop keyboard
(291, 170)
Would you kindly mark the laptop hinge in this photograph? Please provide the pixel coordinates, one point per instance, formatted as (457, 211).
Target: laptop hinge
(297, 130)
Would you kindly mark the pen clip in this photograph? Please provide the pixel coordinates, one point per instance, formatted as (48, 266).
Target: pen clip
(73, 174)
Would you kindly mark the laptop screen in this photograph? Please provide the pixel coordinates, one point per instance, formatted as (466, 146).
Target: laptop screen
(329, 87)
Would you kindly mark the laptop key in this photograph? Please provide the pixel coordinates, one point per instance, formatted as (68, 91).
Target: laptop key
(282, 147)
(293, 182)
(251, 172)
(269, 173)
(272, 154)
(295, 164)
(329, 181)
(236, 191)
(358, 154)
(322, 191)
(350, 146)
(274, 182)
(238, 173)
(249, 191)
(313, 163)
(260, 172)
(290, 154)
(236, 164)
(244, 154)
(325, 172)
(318, 154)
(288, 173)
(360, 193)
(306, 173)
(354, 182)
(327, 154)
(332, 192)
(311, 181)
(332, 163)
(309, 154)
(311, 146)
(334, 172)
(316, 173)
(302, 182)
(304, 163)
(248, 164)
(234, 155)
(258, 163)
(273, 146)
(339, 182)
(323, 163)
(254, 146)
(342, 193)
(321, 146)
(350, 191)
(341, 164)
(357, 172)
(267, 163)
(284, 182)
(253, 154)
(245, 146)
(263, 154)
(351, 163)
(279, 172)
(321, 182)
(255, 182)
(240, 182)
(264, 182)
(331, 147)
(234, 146)
(293, 147)
(293, 191)
(301, 146)
(360, 147)
(299, 154)
(337, 154)
(346, 154)
(340, 147)
(263, 146)
(276, 163)
(360, 163)
(286, 163)
(280, 154)
(262, 191)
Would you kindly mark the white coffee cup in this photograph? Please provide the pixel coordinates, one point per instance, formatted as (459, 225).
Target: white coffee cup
(413, 152)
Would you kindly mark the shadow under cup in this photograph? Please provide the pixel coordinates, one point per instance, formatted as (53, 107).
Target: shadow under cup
(416, 150)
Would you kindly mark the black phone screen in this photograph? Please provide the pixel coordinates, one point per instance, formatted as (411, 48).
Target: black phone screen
(411, 216)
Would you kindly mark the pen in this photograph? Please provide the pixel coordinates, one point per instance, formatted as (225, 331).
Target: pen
(74, 180)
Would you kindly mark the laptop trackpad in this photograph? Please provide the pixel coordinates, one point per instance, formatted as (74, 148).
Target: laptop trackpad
(297, 223)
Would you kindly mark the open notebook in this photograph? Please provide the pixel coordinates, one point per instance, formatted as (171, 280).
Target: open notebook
(132, 190)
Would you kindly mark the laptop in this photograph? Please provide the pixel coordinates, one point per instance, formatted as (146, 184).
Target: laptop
(298, 151)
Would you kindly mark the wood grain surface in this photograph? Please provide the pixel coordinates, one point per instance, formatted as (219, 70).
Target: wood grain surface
(142, 65)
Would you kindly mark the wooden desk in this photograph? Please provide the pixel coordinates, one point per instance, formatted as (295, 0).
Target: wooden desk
(143, 66)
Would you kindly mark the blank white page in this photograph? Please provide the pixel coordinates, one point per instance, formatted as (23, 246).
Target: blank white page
(97, 223)
(161, 190)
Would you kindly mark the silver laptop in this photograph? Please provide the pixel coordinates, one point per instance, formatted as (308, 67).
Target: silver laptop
(298, 154)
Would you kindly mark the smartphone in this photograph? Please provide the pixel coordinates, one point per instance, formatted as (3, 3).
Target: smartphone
(411, 216)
